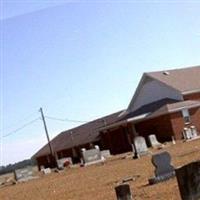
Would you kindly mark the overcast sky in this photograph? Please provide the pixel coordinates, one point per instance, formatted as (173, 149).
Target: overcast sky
(83, 60)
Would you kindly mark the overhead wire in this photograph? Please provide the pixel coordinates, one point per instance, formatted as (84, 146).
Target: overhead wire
(22, 127)
(64, 120)
(16, 122)
(38, 118)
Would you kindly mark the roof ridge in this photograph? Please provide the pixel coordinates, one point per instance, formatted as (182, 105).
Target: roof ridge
(174, 69)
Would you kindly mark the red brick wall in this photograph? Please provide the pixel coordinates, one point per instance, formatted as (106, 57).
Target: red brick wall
(167, 125)
(194, 96)
(160, 126)
(178, 123)
(195, 117)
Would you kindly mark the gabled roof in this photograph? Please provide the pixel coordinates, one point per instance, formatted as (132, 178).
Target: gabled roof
(174, 107)
(149, 108)
(80, 135)
(153, 110)
(184, 80)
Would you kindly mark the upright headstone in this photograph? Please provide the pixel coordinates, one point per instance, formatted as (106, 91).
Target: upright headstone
(153, 141)
(187, 133)
(46, 171)
(24, 174)
(188, 178)
(194, 131)
(140, 146)
(163, 168)
(91, 156)
(123, 192)
(105, 153)
(96, 147)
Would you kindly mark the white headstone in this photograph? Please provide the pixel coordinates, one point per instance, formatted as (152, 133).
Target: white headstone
(46, 171)
(96, 147)
(187, 133)
(153, 141)
(92, 156)
(194, 131)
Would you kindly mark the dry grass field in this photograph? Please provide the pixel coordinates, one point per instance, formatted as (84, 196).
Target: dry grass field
(97, 182)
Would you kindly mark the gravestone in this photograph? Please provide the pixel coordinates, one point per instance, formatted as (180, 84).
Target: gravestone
(140, 147)
(64, 162)
(190, 133)
(153, 141)
(188, 178)
(194, 131)
(123, 192)
(105, 153)
(46, 171)
(24, 174)
(187, 133)
(91, 156)
(163, 168)
(96, 147)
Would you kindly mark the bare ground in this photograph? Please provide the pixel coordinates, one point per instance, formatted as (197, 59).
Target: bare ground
(97, 182)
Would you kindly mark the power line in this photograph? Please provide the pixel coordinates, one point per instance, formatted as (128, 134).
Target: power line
(22, 127)
(64, 120)
(16, 122)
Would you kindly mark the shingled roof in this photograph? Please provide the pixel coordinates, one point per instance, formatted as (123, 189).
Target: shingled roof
(184, 80)
(80, 135)
(174, 107)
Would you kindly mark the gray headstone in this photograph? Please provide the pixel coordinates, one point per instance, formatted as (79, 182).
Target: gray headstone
(140, 146)
(188, 178)
(24, 174)
(91, 156)
(105, 153)
(153, 141)
(123, 192)
(163, 168)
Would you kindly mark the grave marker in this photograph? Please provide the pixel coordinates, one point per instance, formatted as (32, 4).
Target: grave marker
(123, 192)
(163, 168)
(153, 141)
(190, 133)
(91, 156)
(188, 178)
(140, 146)
(105, 153)
(24, 174)
(46, 171)
(194, 131)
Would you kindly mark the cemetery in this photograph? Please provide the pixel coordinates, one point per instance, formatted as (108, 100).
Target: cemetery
(155, 173)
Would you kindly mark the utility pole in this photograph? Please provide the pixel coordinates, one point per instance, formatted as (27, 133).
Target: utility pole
(46, 131)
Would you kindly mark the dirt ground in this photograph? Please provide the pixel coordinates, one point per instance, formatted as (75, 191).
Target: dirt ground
(97, 182)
